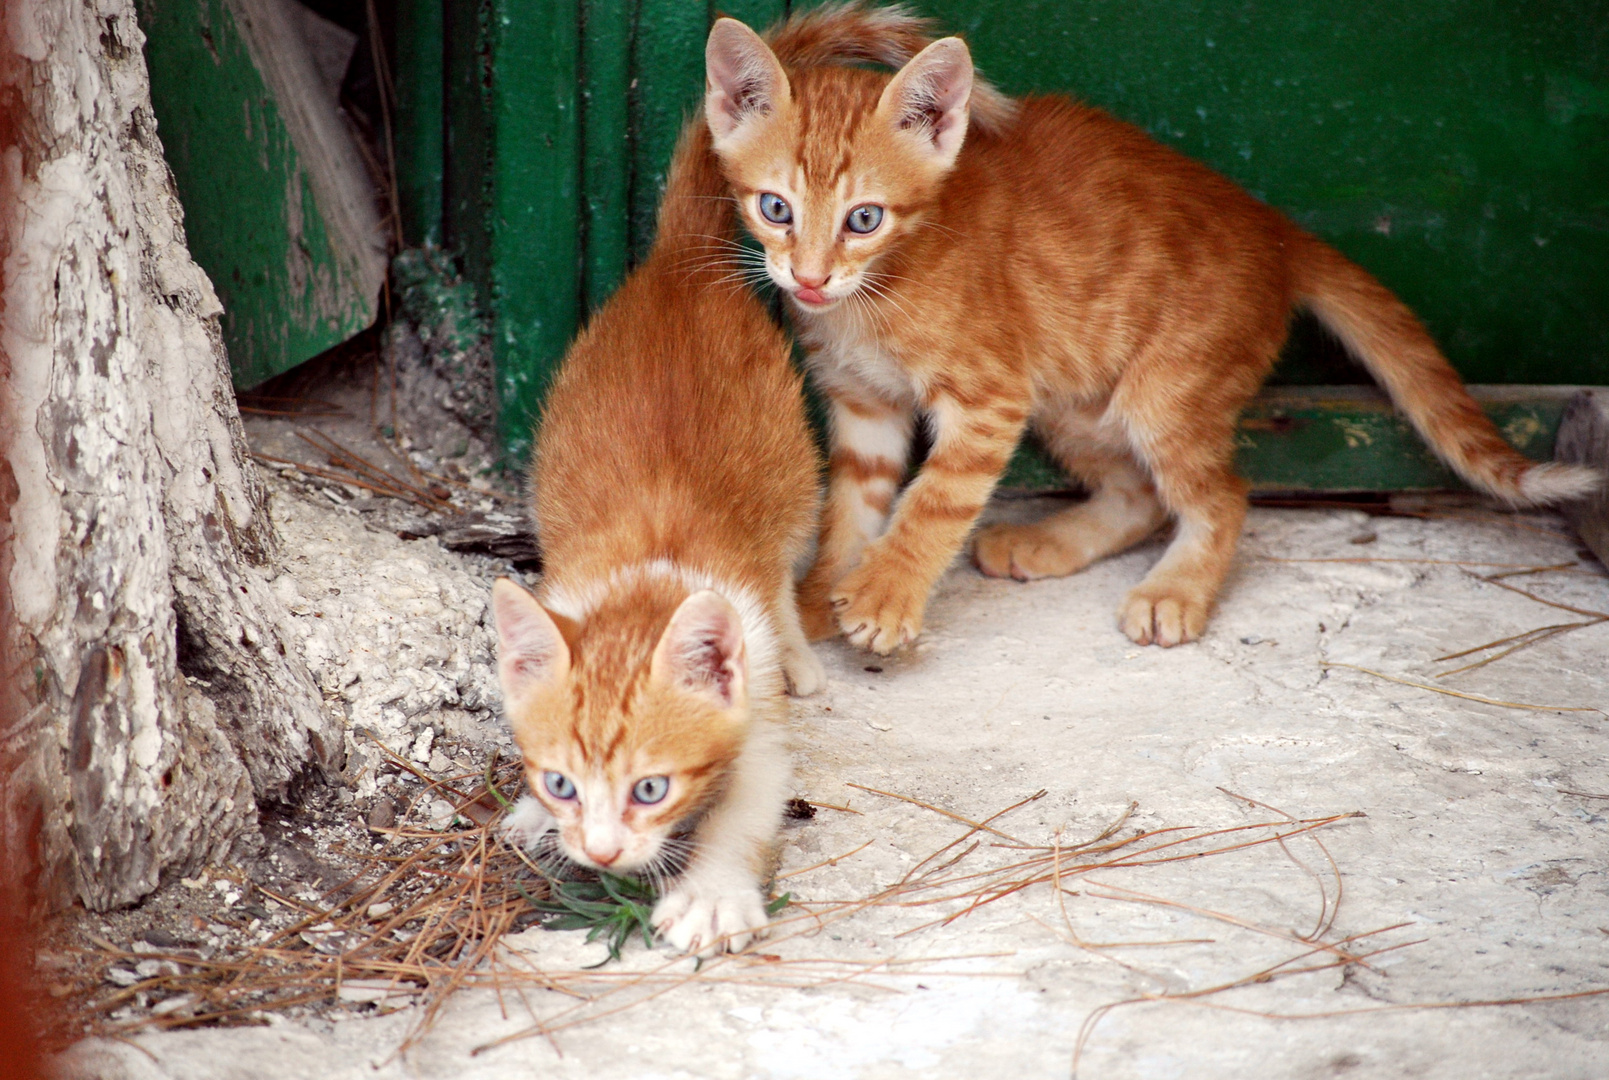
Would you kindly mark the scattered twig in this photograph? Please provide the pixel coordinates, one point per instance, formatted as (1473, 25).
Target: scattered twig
(947, 813)
(325, 474)
(834, 861)
(342, 457)
(1461, 694)
(830, 806)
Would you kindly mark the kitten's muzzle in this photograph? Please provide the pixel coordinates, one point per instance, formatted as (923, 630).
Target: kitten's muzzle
(810, 288)
(603, 860)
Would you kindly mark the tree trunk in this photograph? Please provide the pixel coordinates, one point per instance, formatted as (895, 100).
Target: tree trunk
(160, 697)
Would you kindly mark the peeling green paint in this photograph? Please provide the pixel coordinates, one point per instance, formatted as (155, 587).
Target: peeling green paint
(251, 219)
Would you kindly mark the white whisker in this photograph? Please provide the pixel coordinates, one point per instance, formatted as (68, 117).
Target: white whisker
(886, 294)
(941, 228)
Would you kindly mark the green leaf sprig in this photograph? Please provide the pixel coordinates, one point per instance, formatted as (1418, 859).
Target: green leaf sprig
(611, 908)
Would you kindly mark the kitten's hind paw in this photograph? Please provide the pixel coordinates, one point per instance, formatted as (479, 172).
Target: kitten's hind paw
(1154, 616)
(1025, 552)
(705, 920)
(526, 823)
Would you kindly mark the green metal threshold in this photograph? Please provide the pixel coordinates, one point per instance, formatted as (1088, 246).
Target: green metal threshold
(1345, 439)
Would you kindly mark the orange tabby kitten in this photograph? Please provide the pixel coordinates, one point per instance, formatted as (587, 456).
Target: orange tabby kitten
(675, 488)
(991, 264)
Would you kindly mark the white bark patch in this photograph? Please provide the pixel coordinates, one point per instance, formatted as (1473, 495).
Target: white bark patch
(136, 520)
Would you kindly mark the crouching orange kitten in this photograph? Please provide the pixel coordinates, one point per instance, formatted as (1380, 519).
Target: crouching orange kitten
(675, 486)
(992, 264)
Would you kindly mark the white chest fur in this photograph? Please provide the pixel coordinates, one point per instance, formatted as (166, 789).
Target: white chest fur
(846, 346)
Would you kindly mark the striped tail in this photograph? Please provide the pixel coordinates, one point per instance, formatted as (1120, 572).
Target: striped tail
(1394, 346)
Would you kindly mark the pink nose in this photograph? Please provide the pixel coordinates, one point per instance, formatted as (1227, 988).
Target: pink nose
(810, 282)
(603, 860)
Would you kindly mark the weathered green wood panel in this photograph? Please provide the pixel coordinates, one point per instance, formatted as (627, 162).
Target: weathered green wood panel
(606, 146)
(668, 69)
(467, 140)
(1459, 149)
(535, 202)
(513, 186)
(251, 216)
(561, 116)
(419, 55)
(1345, 438)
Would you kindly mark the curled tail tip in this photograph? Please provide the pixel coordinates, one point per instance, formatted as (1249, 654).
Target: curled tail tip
(1557, 482)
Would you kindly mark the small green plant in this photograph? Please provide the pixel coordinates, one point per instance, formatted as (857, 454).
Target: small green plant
(610, 909)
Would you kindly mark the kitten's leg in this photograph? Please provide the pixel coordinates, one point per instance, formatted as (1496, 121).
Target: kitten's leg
(1197, 483)
(880, 603)
(871, 450)
(1122, 510)
(800, 665)
(716, 904)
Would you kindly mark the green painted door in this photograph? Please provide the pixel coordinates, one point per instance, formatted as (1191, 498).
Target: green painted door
(560, 117)
(1459, 149)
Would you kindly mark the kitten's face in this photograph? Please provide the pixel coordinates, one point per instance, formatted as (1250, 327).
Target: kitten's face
(626, 741)
(832, 170)
(623, 779)
(825, 224)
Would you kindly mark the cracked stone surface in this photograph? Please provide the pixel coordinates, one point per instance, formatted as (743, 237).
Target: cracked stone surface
(397, 632)
(1486, 835)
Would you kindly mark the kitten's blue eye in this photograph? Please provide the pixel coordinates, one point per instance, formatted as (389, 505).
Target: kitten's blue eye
(650, 789)
(864, 219)
(559, 786)
(775, 209)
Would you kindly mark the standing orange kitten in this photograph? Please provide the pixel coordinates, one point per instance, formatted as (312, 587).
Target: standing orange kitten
(675, 488)
(992, 264)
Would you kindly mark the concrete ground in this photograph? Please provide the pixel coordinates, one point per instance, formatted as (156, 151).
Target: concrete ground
(1484, 844)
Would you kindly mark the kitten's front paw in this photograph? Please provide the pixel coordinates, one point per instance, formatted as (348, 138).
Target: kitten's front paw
(705, 920)
(1157, 615)
(526, 822)
(803, 670)
(877, 610)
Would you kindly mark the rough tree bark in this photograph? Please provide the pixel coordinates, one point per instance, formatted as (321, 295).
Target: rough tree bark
(160, 699)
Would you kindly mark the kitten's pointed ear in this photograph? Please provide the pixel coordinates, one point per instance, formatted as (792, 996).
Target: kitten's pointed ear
(929, 99)
(702, 651)
(742, 80)
(531, 651)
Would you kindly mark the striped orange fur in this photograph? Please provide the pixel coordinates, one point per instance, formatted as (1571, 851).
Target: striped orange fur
(675, 484)
(1033, 262)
